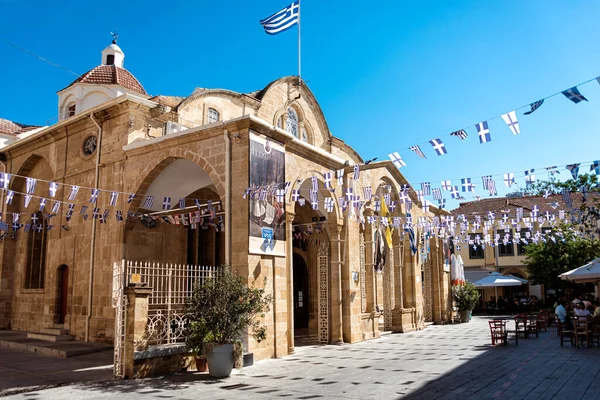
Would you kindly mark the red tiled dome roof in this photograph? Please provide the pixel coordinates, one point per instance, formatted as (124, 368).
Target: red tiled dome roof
(111, 75)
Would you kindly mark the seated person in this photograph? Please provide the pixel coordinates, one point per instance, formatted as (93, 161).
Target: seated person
(561, 314)
(581, 312)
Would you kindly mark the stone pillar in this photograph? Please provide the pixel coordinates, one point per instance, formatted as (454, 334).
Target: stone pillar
(135, 324)
(335, 262)
(289, 254)
(369, 282)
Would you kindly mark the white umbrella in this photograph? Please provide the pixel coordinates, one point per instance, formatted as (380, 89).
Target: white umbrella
(590, 272)
(461, 269)
(495, 279)
(523, 281)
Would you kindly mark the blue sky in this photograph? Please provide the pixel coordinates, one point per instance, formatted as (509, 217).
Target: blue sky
(387, 77)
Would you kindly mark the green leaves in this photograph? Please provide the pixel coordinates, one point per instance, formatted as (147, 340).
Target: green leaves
(224, 307)
(466, 296)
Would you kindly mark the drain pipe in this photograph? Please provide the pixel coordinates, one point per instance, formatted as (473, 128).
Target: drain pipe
(93, 239)
(227, 211)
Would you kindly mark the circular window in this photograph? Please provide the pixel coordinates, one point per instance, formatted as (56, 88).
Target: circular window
(89, 146)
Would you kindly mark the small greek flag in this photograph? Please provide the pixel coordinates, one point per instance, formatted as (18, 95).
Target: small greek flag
(329, 204)
(397, 160)
(4, 180)
(509, 179)
(327, 180)
(94, 196)
(130, 198)
(282, 20)
(31, 183)
(534, 106)
(356, 172)
(55, 207)
(166, 203)
(73, 194)
(113, 198)
(484, 132)
(511, 120)
(280, 195)
(574, 95)
(148, 202)
(438, 146)
(447, 185)
(574, 168)
(426, 188)
(42, 204)
(461, 134)
(52, 188)
(437, 194)
(27, 200)
(418, 151)
(182, 203)
(595, 167)
(368, 192)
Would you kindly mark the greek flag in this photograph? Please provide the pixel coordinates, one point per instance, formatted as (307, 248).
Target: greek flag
(282, 20)
(574, 95)
(534, 106)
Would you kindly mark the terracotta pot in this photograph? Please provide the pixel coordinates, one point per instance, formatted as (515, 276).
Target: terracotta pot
(201, 365)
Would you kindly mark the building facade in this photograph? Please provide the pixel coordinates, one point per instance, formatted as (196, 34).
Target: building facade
(318, 262)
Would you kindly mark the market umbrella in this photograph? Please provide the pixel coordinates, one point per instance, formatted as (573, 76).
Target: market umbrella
(495, 279)
(523, 281)
(590, 272)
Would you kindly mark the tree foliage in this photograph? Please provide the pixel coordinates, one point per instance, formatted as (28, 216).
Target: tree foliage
(546, 260)
(466, 296)
(222, 308)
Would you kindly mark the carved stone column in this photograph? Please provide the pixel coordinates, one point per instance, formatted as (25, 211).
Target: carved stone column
(336, 285)
(289, 254)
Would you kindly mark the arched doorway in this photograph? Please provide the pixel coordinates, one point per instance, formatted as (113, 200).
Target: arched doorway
(301, 299)
(62, 292)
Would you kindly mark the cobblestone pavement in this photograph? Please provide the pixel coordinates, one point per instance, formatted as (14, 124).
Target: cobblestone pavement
(447, 362)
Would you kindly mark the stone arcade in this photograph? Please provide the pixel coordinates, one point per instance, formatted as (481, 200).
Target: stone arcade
(112, 135)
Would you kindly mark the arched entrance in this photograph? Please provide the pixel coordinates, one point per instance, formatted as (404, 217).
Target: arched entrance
(301, 296)
(62, 293)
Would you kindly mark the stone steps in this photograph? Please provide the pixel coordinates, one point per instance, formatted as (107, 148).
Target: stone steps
(49, 337)
(54, 331)
(65, 349)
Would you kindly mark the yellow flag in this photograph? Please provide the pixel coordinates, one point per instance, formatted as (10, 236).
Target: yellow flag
(385, 213)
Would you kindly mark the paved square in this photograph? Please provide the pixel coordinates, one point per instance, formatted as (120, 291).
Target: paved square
(447, 361)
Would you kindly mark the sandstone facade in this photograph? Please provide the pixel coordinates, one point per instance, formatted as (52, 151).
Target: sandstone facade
(344, 299)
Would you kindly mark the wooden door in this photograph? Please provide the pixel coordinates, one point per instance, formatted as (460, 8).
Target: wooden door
(63, 292)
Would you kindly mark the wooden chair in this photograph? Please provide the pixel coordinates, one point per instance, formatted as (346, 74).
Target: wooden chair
(532, 325)
(520, 329)
(543, 320)
(582, 331)
(563, 333)
(498, 332)
(595, 333)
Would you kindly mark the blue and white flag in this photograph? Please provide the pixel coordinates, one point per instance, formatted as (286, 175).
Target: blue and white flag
(326, 180)
(368, 193)
(426, 188)
(27, 200)
(397, 160)
(486, 179)
(282, 20)
(52, 188)
(148, 202)
(442, 204)
(438, 146)
(447, 185)
(182, 203)
(73, 194)
(113, 198)
(454, 192)
(55, 207)
(534, 106)
(130, 198)
(340, 176)
(574, 95)
(461, 134)
(529, 177)
(43, 204)
(492, 188)
(484, 132)
(119, 215)
(356, 175)
(511, 120)
(574, 168)
(466, 184)
(280, 195)
(4, 180)
(595, 167)
(94, 196)
(315, 183)
(295, 194)
(437, 194)
(509, 179)
(417, 149)
(328, 204)
(31, 184)
(166, 203)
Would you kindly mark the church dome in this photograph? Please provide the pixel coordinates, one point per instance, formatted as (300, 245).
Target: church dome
(111, 75)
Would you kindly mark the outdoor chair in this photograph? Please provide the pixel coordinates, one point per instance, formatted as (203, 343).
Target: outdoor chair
(532, 325)
(543, 320)
(595, 335)
(520, 329)
(582, 331)
(563, 333)
(498, 332)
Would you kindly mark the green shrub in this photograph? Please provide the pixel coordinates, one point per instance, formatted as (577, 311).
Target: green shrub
(466, 296)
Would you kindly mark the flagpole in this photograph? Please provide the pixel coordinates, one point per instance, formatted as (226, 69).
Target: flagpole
(299, 52)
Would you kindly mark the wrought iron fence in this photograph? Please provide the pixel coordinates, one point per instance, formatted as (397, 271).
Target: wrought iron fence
(172, 285)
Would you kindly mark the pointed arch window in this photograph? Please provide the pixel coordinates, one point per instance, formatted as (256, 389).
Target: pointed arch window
(291, 123)
(213, 116)
(36, 252)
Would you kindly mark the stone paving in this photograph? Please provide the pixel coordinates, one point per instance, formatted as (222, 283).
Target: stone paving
(447, 362)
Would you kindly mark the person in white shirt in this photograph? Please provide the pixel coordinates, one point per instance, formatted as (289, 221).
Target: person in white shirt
(561, 314)
(581, 312)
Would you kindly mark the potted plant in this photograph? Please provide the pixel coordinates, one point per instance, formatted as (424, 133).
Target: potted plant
(466, 297)
(220, 310)
(194, 342)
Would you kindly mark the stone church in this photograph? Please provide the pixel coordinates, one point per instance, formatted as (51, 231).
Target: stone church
(262, 162)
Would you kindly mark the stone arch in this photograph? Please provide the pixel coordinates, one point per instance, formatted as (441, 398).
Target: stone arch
(154, 169)
(517, 272)
(26, 168)
(297, 183)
